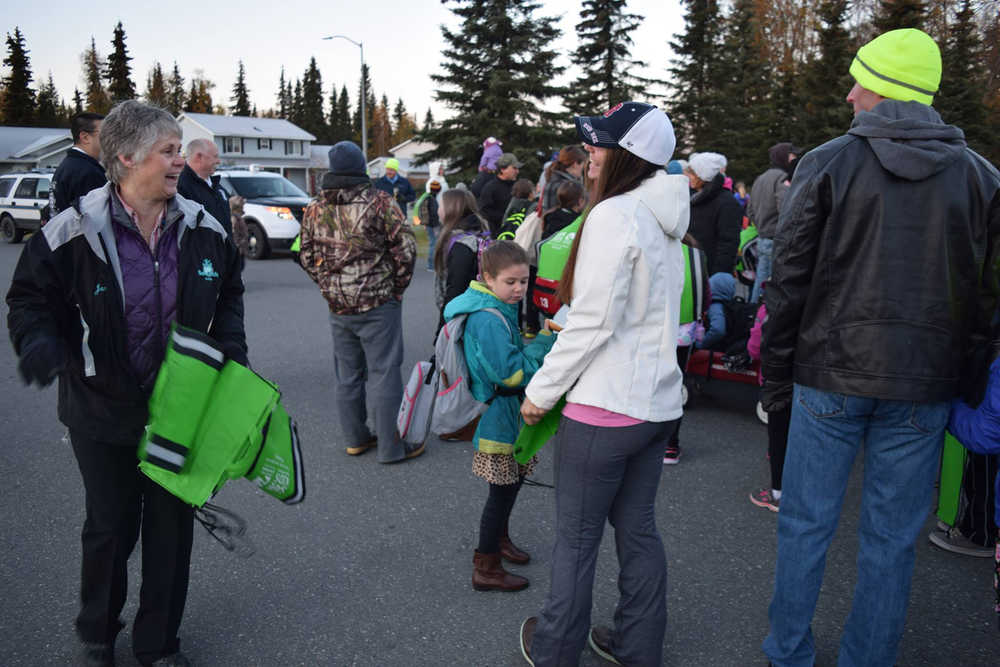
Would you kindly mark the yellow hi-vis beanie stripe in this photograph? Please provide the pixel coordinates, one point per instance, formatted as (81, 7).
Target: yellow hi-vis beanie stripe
(901, 65)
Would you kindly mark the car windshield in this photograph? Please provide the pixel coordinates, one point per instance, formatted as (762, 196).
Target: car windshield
(258, 187)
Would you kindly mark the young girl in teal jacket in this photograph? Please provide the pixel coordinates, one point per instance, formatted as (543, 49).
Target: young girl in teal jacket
(500, 365)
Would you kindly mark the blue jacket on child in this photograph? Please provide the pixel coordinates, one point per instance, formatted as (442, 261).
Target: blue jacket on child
(979, 430)
(496, 357)
(723, 287)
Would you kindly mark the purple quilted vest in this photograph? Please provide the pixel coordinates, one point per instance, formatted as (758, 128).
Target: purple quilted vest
(150, 297)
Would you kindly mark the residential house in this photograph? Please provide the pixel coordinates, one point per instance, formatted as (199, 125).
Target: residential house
(269, 144)
(26, 148)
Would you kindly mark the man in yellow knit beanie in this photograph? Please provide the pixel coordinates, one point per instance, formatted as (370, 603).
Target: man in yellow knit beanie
(880, 280)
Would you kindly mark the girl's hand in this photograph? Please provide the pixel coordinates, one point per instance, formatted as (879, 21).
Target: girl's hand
(531, 413)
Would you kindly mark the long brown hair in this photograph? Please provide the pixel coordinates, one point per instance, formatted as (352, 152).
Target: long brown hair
(621, 172)
(456, 205)
(568, 156)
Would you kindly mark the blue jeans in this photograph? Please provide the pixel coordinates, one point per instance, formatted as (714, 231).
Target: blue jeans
(765, 251)
(902, 446)
(432, 234)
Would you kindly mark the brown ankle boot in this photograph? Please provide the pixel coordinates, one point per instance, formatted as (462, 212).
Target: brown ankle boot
(511, 553)
(488, 574)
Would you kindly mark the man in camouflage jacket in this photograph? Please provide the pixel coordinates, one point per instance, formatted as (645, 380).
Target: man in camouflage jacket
(357, 246)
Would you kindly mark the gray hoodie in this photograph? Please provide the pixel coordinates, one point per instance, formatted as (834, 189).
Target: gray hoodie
(909, 138)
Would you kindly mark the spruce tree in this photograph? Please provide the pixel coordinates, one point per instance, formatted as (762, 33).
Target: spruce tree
(156, 87)
(826, 78)
(749, 89)
(312, 119)
(496, 78)
(119, 72)
(403, 125)
(296, 111)
(97, 97)
(342, 131)
(77, 101)
(175, 91)
(960, 99)
(895, 14)
(695, 105)
(48, 111)
(241, 96)
(603, 54)
(428, 121)
(369, 108)
(282, 95)
(18, 104)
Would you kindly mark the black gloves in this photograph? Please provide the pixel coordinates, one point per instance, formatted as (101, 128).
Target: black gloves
(42, 360)
(775, 395)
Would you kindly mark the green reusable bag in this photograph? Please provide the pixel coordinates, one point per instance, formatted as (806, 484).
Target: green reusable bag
(952, 471)
(207, 427)
(183, 386)
(533, 438)
(277, 468)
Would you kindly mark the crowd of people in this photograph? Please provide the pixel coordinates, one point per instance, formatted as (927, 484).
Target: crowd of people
(873, 279)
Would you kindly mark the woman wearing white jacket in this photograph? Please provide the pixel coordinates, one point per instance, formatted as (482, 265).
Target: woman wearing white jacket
(615, 361)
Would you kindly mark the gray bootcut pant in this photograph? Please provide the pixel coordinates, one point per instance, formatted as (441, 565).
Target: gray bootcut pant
(606, 474)
(369, 345)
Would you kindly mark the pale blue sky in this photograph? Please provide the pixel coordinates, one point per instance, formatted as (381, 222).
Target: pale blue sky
(402, 41)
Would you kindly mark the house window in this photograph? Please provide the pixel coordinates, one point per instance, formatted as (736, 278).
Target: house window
(290, 147)
(263, 144)
(232, 145)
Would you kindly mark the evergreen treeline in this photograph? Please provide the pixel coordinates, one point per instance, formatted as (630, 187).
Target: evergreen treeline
(746, 77)
(108, 80)
(744, 74)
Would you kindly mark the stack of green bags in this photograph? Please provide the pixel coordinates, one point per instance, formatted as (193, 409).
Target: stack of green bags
(212, 420)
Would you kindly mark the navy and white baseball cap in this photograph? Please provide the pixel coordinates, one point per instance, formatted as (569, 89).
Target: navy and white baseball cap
(641, 129)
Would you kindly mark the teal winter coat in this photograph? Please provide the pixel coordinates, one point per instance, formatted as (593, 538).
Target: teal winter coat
(496, 357)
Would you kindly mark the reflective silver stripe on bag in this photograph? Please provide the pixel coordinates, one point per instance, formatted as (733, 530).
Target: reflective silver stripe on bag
(88, 356)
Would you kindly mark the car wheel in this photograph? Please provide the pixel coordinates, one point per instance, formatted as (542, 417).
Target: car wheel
(259, 248)
(9, 230)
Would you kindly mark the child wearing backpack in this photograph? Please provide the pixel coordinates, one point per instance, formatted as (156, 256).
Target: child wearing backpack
(464, 233)
(499, 366)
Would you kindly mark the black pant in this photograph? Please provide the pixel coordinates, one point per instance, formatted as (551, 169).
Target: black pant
(121, 500)
(777, 443)
(496, 513)
(531, 312)
(975, 515)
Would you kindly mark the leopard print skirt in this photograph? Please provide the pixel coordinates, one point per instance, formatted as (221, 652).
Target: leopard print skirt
(501, 469)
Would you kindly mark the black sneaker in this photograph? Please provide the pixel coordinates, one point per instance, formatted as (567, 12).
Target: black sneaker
(672, 454)
(98, 655)
(175, 660)
(527, 635)
(600, 640)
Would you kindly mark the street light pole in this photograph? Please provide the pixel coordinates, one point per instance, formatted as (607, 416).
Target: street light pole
(364, 94)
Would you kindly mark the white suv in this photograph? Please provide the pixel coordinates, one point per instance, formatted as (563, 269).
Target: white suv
(273, 210)
(24, 200)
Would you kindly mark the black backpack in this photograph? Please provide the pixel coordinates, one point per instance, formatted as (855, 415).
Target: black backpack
(740, 316)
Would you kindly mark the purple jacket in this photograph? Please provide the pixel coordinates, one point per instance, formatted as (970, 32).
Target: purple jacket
(150, 281)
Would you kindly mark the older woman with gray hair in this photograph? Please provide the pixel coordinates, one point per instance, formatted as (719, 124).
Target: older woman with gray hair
(91, 303)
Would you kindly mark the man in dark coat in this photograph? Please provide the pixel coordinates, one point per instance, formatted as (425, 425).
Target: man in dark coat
(79, 172)
(396, 184)
(883, 279)
(496, 193)
(197, 183)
